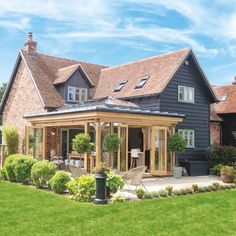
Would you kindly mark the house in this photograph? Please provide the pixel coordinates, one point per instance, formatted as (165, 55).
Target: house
(52, 99)
(225, 110)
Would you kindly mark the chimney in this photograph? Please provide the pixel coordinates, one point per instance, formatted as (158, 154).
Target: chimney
(30, 45)
(234, 82)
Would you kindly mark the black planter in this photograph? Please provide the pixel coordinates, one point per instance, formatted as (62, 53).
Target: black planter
(101, 189)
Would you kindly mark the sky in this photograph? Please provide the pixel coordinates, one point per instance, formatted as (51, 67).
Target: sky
(111, 32)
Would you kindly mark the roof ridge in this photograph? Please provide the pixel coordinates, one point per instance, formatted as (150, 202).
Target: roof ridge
(74, 65)
(72, 60)
(146, 59)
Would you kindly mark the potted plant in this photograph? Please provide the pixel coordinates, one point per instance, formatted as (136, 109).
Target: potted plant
(113, 182)
(101, 171)
(81, 144)
(111, 143)
(227, 174)
(177, 144)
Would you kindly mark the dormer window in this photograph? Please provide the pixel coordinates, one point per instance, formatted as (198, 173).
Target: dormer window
(224, 97)
(142, 82)
(120, 86)
(77, 94)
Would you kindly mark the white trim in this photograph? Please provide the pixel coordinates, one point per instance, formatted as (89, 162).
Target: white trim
(188, 136)
(74, 94)
(32, 78)
(186, 89)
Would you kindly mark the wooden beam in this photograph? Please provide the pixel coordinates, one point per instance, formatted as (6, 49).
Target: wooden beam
(26, 139)
(44, 143)
(98, 142)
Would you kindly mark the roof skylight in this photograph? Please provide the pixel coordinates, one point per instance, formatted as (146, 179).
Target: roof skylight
(120, 86)
(142, 82)
(224, 97)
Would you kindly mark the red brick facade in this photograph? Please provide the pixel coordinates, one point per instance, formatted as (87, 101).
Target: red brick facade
(23, 98)
(215, 131)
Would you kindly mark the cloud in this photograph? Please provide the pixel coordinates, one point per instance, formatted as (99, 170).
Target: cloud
(21, 24)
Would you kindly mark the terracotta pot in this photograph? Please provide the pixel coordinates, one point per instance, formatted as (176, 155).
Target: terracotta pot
(227, 178)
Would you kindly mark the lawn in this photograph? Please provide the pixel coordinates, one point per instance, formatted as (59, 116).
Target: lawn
(28, 211)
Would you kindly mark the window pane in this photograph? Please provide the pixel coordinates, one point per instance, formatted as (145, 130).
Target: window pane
(181, 93)
(190, 95)
(71, 97)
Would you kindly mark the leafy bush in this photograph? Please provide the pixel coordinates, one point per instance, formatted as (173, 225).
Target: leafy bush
(217, 168)
(189, 191)
(59, 181)
(42, 172)
(83, 188)
(8, 167)
(11, 137)
(148, 195)
(118, 198)
(201, 190)
(139, 192)
(111, 142)
(212, 188)
(206, 188)
(183, 191)
(81, 143)
(163, 193)
(22, 168)
(195, 187)
(102, 168)
(216, 184)
(227, 170)
(156, 194)
(225, 155)
(3, 174)
(114, 182)
(176, 192)
(222, 187)
(169, 189)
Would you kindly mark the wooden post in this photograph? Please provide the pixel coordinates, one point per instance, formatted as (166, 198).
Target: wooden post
(98, 142)
(86, 154)
(27, 140)
(44, 143)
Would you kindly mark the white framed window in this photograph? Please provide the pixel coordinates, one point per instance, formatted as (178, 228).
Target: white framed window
(185, 94)
(189, 136)
(77, 94)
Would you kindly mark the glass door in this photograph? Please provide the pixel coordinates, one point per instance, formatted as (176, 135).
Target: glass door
(159, 151)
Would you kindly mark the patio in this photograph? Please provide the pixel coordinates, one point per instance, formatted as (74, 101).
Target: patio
(159, 183)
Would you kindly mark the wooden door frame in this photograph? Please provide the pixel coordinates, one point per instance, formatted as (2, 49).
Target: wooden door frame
(127, 136)
(152, 154)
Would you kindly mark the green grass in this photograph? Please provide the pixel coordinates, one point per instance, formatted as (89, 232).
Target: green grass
(27, 211)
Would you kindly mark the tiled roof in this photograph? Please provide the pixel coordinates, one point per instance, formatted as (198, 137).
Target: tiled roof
(109, 104)
(228, 105)
(160, 70)
(45, 69)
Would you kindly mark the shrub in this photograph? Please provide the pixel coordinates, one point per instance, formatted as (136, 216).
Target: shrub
(83, 188)
(8, 167)
(22, 168)
(163, 193)
(212, 187)
(216, 184)
(81, 143)
(227, 187)
(195, 187)
(102, 168)
(42, 172)
(111, 142)
(206, 188)
(183, 191)
(189, 191)
(156, 194)
(227, 170)
(225, 155)
(232, 185)
(222, 187)
(3, 174)
(118, 198)
(59, 181)
(148, 195)
(139, 192)
(11, 137)
(114, 182)
(201, 190)
(169, 189)
(217, 168)
(176, 192)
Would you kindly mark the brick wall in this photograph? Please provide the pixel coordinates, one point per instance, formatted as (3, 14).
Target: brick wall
(52, 141)
(23, 98)
(215, 129)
